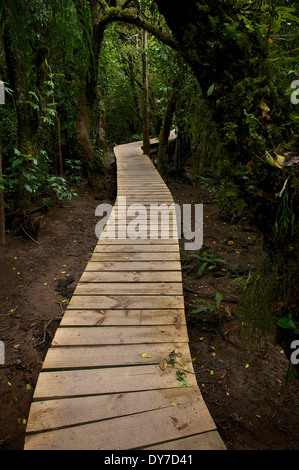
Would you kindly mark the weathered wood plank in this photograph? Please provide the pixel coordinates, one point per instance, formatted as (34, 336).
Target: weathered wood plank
(95, 336)
(123, 317)
(127, 266)
(148, 288)
(78, 357)
(55, 414)
(128, 241)
(73, 383)
(164, 256)
(204, 441)
(130, 432)
(137, 248)
(126, 301)
(131, 276)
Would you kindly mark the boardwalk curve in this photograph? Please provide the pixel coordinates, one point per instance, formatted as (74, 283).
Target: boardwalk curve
(110, 380)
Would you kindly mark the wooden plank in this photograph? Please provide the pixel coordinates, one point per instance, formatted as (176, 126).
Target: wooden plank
(127, 266)
(128, 241)
(136, 248)
(204, 441)
(147, 288)
(55, 414)
(132, 276)
(123, 317)
(78, 357)
(129, 432)
(147, 256)
(126, 301)
(73, 383)
(95, 336)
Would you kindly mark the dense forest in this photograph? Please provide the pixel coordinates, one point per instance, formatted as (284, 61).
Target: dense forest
(83, 76)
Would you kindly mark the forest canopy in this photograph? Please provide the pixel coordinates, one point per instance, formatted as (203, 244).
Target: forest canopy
(81, 76)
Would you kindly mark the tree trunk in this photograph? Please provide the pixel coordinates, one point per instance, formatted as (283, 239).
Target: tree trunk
(145, 111)
(92, 163)
(2, 215)
(102, 125)
(26, 118)
(164, 133)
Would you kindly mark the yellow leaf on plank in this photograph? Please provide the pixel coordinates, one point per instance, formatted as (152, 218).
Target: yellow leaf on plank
(146, 355)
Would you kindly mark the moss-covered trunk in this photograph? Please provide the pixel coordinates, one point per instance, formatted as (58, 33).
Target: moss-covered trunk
(92, 162)
(163, 166)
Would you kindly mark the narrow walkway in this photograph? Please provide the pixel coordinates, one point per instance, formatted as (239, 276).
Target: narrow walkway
(112, 377)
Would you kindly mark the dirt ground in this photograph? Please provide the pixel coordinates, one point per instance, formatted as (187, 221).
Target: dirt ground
(251, 400)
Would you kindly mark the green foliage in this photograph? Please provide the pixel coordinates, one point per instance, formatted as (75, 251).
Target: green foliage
(208, 261)
(288, 322)
(59, 186)
(35, 177)
(207, 306)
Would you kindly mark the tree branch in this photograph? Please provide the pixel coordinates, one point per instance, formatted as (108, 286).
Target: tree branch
(103, 4)
(124, 16)
(126, 4)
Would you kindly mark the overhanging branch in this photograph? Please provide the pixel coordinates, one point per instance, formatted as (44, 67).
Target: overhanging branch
(124, 16)
(103, 4)
(127, 4)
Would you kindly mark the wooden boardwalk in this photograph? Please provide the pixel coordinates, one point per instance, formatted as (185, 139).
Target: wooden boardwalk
(110, 380)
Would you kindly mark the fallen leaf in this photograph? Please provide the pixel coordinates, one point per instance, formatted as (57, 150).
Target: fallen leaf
(223, 375)
(177, 325)
(145, 355)
(174, 403)
(174, 420)
(163, 365)
(264, 107)
(182, 426)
